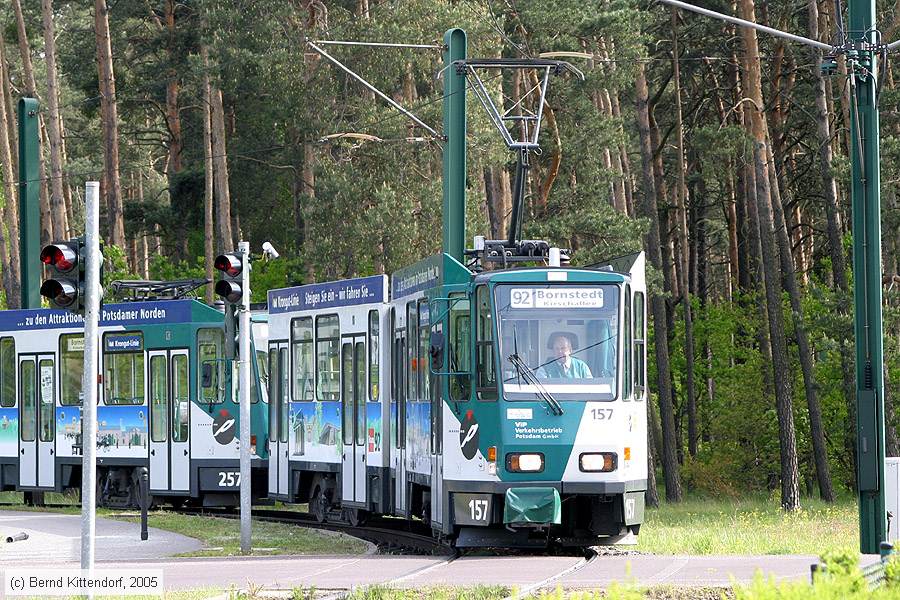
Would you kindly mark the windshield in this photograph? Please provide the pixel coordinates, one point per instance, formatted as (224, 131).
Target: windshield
(565, 335)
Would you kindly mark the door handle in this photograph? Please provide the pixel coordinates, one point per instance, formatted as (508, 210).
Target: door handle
(185, 452)
(22, 451)
(152, 452)
(51, 451)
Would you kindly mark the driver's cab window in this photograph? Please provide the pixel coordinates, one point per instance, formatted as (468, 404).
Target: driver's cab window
(558, 339)
(211, 353)
(486, 388)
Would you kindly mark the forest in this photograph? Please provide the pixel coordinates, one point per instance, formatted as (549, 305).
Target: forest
(722, 153)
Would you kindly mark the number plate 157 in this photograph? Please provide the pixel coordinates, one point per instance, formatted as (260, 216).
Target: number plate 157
(472, 509)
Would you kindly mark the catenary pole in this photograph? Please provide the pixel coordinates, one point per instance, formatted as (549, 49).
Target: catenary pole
(244, 388)
(29, 203)
(90, 379)
(454, 179)
(862, 60)
(867, 272)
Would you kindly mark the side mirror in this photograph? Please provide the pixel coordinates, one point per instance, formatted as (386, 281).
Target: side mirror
(437, 350)
(206, 375)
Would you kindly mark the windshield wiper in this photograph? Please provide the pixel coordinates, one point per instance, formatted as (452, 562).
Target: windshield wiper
(529, 376)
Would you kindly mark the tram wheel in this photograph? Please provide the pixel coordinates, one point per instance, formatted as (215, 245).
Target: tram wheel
(355, 516)
(318, 505)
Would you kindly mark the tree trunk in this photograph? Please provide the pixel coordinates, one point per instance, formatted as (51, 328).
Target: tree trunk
(816, 428)
(208, 171)
(681, 209)
(657, 302)
(47, 232)
(790, 486)
(109, 116)
(10, 213)
(220, 160)
(57, 196)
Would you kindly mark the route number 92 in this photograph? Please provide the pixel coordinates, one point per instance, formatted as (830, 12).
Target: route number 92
(229, 478)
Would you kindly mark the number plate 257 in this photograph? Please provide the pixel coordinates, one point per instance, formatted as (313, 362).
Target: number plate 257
(472, 509)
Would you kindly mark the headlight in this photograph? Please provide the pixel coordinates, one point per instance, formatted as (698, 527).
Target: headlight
(525, 463)
(597, 462)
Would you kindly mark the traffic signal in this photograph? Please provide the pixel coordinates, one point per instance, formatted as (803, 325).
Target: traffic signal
(229, 286)
(65, 266)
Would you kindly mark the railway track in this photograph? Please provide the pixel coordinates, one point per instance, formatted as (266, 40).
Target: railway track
(390, 535)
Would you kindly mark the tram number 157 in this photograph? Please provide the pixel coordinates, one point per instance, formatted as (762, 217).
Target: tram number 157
(472, 509)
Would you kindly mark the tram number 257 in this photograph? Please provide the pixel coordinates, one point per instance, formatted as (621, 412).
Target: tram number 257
(472, 509)
(229, 478)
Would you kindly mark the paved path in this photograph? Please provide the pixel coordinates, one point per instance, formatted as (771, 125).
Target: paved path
(56, 538)
(54, 541)
(345, 572)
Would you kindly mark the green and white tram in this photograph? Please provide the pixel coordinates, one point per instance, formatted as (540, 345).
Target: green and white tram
(167, 402)
(504, 407)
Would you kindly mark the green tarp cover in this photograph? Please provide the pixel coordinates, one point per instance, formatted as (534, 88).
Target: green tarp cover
(537, 505)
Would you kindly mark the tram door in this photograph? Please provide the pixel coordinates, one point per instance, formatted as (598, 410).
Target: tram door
(353, 419)
(169, 420)
(399, 381)
(37, 425)
(279, 418)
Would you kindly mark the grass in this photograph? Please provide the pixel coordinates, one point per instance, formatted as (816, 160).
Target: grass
(222, 536)
(750, 526)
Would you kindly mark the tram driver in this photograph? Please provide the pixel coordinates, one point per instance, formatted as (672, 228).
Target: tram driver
(564, 365)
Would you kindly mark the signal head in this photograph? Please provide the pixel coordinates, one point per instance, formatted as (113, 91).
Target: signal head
(230, 264)
(61, 256)
(229, 290)
(62, 293)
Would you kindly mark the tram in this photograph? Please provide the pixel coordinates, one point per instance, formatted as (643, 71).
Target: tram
(167, 402)
(505, 408)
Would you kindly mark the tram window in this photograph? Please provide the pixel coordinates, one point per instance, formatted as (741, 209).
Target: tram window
(412, 370)
(484, 347)
(302, 356)
(71, 368)
(181, 403)
(626, 375)
(7, 372)
(328, 333)
(159, 410)
(398, 360)
(47, 405)
(273, 395)
(436, 400)
(26, 400)
(460, 346)
(263, 375)
(374, 357)
(347, 393)
(639, 345)
(360, 393)
(423, 359)
(285, 400)
(211, 352)
(123, 368)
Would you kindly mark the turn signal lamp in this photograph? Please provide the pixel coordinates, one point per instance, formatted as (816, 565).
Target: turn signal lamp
(492, 454)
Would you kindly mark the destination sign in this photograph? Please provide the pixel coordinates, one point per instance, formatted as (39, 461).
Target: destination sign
(122, 314)
(424, 274)
(349, 292)
(556, 297)
(131, 342)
